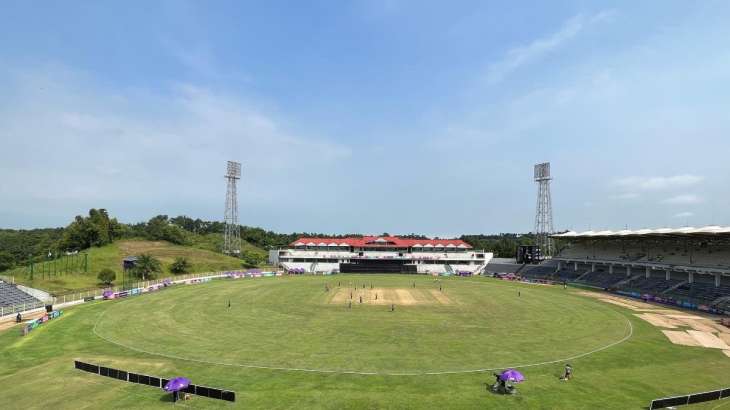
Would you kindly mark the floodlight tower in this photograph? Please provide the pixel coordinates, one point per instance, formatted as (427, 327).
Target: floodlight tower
(232, 235)
(544, 214)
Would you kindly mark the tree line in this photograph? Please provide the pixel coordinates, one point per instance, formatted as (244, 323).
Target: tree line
(98, 228)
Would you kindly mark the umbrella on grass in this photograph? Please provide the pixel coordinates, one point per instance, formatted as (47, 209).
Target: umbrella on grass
(177, 384)
(511, 375)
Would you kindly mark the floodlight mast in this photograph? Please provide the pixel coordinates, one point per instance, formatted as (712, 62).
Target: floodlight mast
(232, 233)
(544, 211)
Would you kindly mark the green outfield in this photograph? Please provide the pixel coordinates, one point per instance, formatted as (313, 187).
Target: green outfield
(309, 342)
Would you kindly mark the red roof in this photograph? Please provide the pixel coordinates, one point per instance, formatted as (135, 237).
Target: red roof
(380, 241)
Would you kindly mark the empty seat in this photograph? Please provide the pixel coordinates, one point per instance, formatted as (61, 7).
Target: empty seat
(10, 295)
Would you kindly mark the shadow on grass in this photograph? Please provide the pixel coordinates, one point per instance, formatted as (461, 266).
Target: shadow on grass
(166, 398)
(489, 387)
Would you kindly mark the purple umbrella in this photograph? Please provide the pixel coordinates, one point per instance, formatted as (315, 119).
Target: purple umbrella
(177, 384)
(511, 375)
(107, 294)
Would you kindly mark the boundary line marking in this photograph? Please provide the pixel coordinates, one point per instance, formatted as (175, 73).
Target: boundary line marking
(355, 372)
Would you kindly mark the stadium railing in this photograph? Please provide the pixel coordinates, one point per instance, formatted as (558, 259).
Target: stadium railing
(689, 399)
(154, 381)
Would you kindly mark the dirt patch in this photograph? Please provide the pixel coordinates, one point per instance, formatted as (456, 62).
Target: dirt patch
(7, 325)
(700, 331)
(658, 320)
(720, 329)
(9, 321)
(405, 297)
(686, 316)
(387, 296)
(727, 352)
(627, 303)
(703, 325)
(441, 297)
(619, 303)
(680, 337)
(340, 295)
(708, 340)
(725, 337)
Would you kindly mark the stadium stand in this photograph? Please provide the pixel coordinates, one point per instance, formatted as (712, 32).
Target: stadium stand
(699, 292)
(651, 285)
(600, 279)
(686, 266)
(384, 254)
(503, 265)
(568, 275)
(543, 271)
(10, 295)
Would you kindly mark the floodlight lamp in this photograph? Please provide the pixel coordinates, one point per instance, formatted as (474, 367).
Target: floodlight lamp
(233, 169)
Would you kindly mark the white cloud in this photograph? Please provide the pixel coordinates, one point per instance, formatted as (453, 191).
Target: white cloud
(684, 199)
(658, 183)
(520, 56)
(684, 215)
(97, 147)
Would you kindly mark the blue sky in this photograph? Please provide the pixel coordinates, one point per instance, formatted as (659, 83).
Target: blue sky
(367, 116)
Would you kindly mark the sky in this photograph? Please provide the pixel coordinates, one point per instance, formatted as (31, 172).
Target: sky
(367, 116)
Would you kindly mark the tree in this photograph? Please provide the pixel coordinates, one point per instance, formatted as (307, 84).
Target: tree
(107, 276)
(250, 260)
(161, 228)
(6, 260)
(180, 265)
(147, 267)
(95, 230)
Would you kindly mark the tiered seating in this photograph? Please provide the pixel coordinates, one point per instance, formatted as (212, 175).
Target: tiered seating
(501, 267)
(538, 272)
(568, 274)
(603, 252)
(576, 251)
(465, 267)
(715, 257)
(724, 306)
(701, 292)
(601, 279)
(653, 285)
(10, 295)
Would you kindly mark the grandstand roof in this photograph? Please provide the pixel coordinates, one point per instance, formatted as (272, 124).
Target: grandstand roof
(712, 231)
(380, 241)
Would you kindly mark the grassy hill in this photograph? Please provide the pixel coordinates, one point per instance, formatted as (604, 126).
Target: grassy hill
(214, 242)
(201, 255)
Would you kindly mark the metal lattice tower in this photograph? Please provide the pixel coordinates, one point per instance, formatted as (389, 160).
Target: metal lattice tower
(232, 235)
(544, 214)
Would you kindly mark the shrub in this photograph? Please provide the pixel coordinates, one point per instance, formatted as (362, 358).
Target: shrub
(107, 276)
(180, 266)
(147, 267)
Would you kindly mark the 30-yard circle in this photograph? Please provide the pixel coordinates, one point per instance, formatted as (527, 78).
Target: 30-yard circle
(312, 324)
